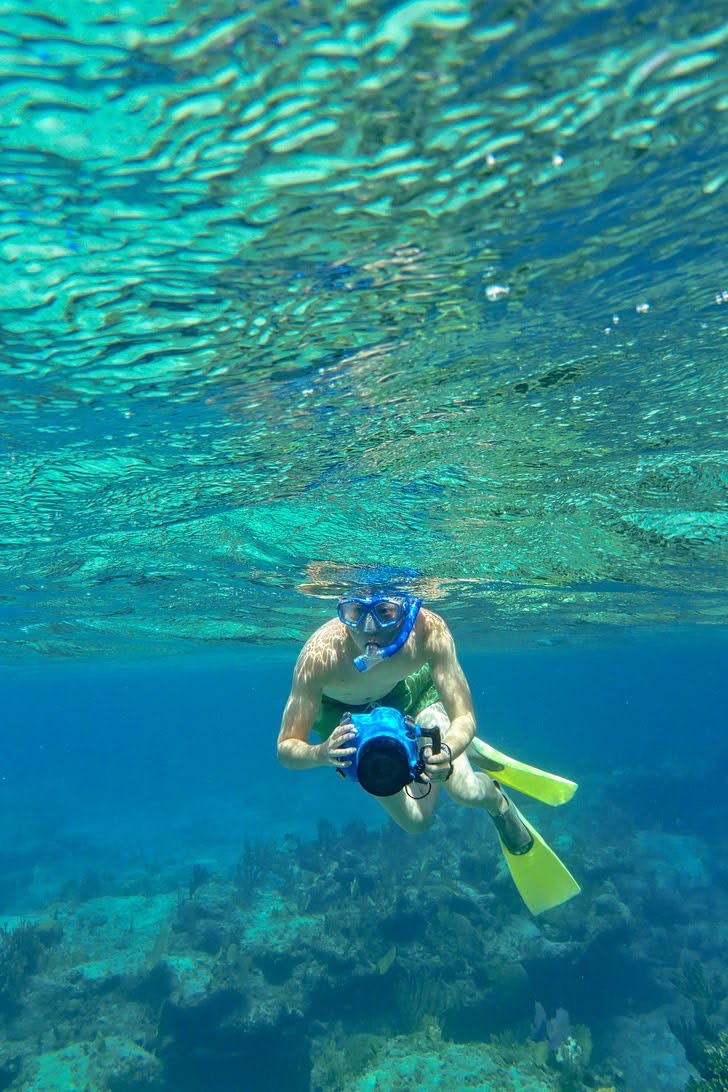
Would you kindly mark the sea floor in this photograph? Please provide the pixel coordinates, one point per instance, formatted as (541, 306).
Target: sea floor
(358, 958)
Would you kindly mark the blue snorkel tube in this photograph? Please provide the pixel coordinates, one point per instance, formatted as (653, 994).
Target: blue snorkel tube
(369, 659)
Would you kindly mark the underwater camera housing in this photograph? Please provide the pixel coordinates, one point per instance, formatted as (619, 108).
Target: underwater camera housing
(387, 751)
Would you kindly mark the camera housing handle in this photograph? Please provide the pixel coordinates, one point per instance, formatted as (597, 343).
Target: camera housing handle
(435, 736)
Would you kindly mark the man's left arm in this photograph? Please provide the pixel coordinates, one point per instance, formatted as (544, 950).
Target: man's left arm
(449, 678)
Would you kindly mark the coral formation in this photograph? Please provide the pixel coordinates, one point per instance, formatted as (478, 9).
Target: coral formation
(706, 1045)
(714, 1067)
(21, 952)
(355, 960)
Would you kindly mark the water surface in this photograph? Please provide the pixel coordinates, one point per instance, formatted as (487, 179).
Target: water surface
(308, 287)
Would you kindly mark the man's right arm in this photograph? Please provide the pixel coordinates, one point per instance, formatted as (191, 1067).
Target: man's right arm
(294, 750)
(299, 717)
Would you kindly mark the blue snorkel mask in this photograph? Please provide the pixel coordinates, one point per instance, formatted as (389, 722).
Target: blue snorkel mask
(386, 611)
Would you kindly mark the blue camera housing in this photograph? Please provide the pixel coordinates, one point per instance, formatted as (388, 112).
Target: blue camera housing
(384, 738)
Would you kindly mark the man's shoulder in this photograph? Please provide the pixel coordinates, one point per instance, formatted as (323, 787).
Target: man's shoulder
(435, 631)
(432, 622)
(431, 617)
(324, 648)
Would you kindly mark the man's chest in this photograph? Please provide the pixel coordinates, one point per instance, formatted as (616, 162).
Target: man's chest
(347, 684)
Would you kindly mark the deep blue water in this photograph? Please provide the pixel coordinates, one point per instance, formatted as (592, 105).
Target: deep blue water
(153, 766)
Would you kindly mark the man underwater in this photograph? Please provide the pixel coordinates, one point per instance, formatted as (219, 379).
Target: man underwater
(384, 649)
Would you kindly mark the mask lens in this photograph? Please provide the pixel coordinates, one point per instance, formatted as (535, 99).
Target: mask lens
(351, 611)
(387, 612)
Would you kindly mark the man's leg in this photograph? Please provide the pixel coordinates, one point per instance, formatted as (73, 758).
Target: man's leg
(414, 816)
(473, 789)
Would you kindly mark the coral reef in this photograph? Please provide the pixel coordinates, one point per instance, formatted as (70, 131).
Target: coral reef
(21, 953)
(359, 959)
(714, 1068)
(706, 1045)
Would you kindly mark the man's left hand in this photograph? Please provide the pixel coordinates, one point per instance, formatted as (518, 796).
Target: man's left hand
(437, 767)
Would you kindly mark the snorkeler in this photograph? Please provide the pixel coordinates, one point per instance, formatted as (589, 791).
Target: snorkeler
(387, 653)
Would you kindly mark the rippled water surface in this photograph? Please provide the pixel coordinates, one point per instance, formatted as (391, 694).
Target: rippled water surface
(294, 289)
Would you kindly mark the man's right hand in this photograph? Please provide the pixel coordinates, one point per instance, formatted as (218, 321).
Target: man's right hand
(335, 750)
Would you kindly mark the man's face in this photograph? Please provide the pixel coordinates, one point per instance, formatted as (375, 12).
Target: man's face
(372, 620)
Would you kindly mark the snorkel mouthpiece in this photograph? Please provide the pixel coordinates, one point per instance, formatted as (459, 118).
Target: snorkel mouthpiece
(372, 654)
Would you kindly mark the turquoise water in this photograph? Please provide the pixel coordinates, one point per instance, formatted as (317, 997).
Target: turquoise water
(295, 295)
(453, 270)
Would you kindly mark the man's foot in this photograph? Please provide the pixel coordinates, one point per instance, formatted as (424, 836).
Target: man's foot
(513, 833)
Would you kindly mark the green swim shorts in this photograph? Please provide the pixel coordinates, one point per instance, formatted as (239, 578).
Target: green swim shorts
(410, 697)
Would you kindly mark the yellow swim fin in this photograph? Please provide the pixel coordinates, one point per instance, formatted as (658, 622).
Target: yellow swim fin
(547, 787)
(543, 881)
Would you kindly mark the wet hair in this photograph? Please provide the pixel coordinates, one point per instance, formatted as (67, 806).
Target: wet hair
(366, 591)
(382, 580)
